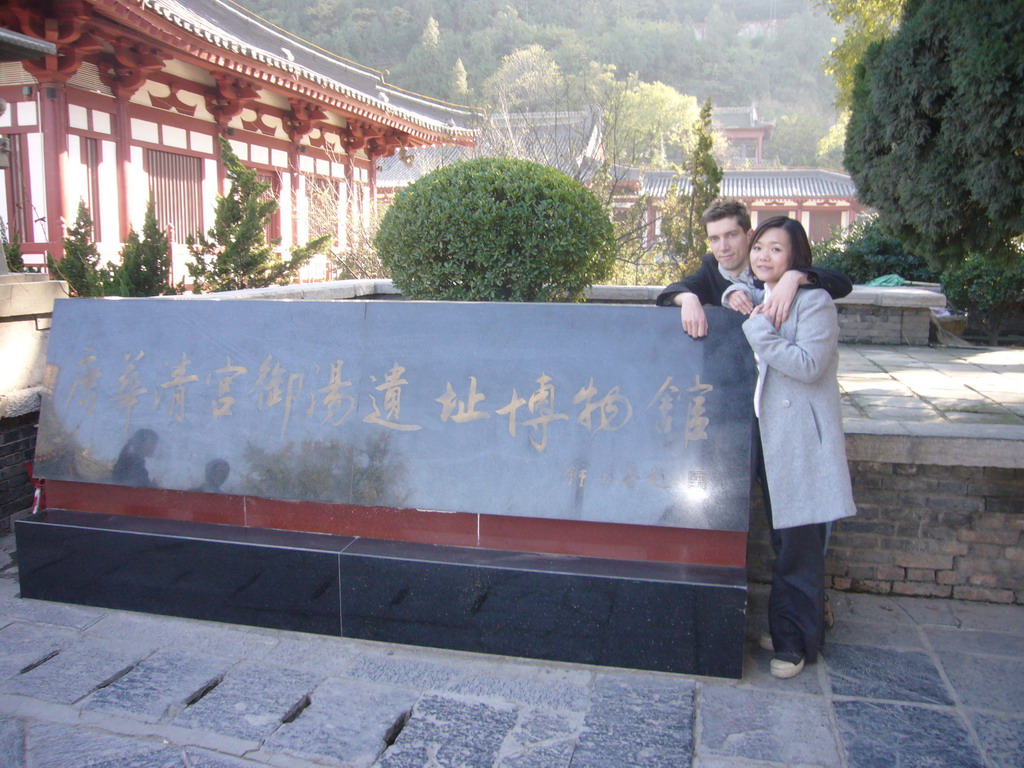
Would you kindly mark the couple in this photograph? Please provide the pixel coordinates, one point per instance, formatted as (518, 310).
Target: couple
(798, 435)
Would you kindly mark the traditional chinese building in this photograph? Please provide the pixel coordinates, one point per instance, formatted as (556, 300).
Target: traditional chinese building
(132, 106)
(821, 200)
(744, 133)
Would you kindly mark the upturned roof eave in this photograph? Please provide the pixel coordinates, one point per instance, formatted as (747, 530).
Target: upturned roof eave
(205, 48)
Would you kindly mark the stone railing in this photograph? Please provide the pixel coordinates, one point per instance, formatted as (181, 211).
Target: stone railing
(869, 315)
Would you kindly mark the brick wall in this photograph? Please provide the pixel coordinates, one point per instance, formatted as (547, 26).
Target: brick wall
(921, 530)
(867, 324)
(17, 445)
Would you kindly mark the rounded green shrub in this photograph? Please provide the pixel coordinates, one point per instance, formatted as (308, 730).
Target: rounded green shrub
(496, 230)
(990, 289)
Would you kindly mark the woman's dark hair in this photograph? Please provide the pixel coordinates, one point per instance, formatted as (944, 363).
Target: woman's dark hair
(800, 247)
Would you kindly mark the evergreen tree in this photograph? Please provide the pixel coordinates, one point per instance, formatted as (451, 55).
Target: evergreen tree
(80, 266)
(234, 253)
(684, 233)
(145, 268)
(11, 244)
(459, 84)
(425, 69)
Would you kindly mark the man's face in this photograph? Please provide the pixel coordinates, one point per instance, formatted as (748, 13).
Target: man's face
(729, 244)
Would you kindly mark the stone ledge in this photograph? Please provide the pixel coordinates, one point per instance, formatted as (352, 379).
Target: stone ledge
(893, 296)
(329, 291)
(20, 402)
(26, 294)
(948, 445)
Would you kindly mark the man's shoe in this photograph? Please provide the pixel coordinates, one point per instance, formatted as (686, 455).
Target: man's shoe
(764, 641)
(786, 664)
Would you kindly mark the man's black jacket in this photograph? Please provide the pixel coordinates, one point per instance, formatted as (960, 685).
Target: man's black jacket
(709, 284)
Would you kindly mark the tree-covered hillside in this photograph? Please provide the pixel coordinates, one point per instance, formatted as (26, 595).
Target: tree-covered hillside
(452, 49)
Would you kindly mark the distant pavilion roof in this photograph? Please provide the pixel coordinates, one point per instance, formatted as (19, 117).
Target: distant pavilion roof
(232, 28)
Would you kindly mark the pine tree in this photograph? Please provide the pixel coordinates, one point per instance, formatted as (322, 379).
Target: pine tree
(145, 268)
(685, 236)
(459, 82)
(705, 183)
(234, 253)
(80, 266)
(11, 243)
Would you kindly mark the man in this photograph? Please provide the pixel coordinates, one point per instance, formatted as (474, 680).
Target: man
(727, 223)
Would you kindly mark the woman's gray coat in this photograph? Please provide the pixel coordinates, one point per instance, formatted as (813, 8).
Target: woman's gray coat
(801, 422)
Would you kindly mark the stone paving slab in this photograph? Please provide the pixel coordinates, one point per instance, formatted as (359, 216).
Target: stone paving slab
(767, 727)
(346, 721)
(878, 734)
(76, 671)
(449, 732)
(167, 679)
(250, 703)
(903, 681)
(637, 720)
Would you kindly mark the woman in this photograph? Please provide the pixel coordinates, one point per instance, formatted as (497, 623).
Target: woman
(802, 461)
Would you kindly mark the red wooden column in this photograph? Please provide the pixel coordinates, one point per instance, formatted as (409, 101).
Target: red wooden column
(123, 134)
(53, 122)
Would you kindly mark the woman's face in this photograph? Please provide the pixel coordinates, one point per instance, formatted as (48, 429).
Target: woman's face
(771, 255)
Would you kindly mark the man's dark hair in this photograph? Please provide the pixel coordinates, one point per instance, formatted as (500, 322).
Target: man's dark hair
(800, 247)
(727, 208)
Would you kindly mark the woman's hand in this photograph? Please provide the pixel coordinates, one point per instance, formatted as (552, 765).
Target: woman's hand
(739, 301)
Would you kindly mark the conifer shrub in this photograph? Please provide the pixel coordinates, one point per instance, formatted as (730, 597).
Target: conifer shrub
(496, 229)
(990, 289)
(864, 251)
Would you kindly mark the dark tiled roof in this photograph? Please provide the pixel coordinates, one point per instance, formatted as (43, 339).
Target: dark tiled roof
(15, 46)
(765, 182)
(233, 28)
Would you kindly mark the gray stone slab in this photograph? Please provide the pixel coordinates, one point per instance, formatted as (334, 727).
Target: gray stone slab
(757, 674)
(766, 727)
(60, 746)
(324, 655)
(637, 721)
(8, 584)
(402, 670)
(44, 612)
(215, 639)
(347, 721)
(995, 618)
(23, 644)
(201, 758)
(250, 703)
(879, 734)
(541, 739)
(165, 680)
(1002, 738)
(977, 641)
(987, 682)
(509, 414)
(879, 635)
(544, 756)
(861, 607)
(12, 743)
(446, 732)
(928, 611)
(858, 670)
(76, 671)
(552, 689)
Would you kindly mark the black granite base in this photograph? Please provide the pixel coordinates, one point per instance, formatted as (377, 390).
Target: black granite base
(657, 616)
